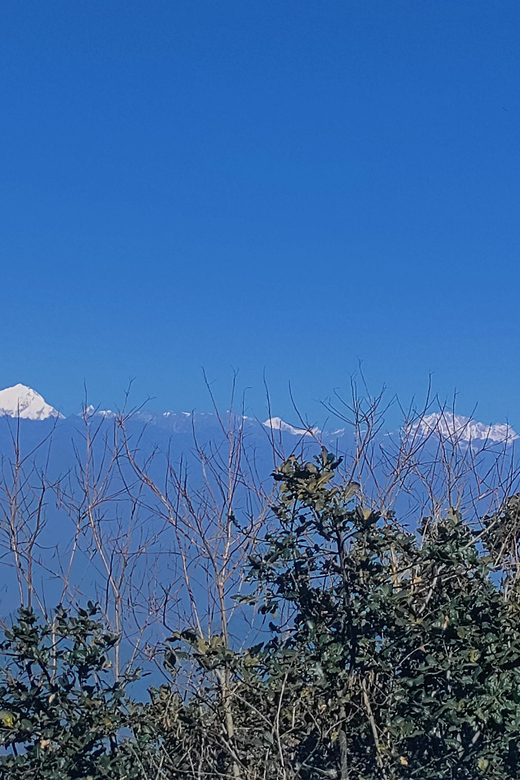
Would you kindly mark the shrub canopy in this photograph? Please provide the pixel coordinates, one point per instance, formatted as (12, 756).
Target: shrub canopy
(385, 655)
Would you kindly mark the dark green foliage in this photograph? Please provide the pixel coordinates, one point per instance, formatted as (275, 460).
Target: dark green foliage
(61, 714)
(388, 655)
(399, 654)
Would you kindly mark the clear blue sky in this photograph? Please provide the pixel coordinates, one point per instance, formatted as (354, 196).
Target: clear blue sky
(291, 186)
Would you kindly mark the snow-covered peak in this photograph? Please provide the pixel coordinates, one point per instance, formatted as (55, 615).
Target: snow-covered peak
(277, 424)
(459, 428)
(22, 401)
(91, 411)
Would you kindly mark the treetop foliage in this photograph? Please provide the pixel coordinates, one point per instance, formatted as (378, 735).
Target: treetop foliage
(384, 654)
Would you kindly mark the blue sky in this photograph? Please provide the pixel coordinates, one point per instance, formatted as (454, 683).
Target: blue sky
(283, 186)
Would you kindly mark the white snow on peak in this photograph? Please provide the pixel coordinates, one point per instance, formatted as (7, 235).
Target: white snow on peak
(454, 426)
(22, 401)
(91, 411)
(277, 424)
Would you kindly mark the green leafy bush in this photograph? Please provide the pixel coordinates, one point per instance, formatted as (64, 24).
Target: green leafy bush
(61, 714)
(391, 654)
(387, 655)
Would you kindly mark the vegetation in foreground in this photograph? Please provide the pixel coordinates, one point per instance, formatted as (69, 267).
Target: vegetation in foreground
(386, 655)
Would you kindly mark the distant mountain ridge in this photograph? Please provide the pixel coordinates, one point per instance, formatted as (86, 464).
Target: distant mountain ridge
(24, 402)
(459, 428)
(56, 451)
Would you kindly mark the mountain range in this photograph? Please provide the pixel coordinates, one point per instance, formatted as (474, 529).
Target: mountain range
(20, 401)
(52, 450)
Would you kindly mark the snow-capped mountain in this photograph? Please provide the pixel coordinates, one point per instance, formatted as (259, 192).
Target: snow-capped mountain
(463, 429)
(91, 411)
(277, 424)
(24, 402)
